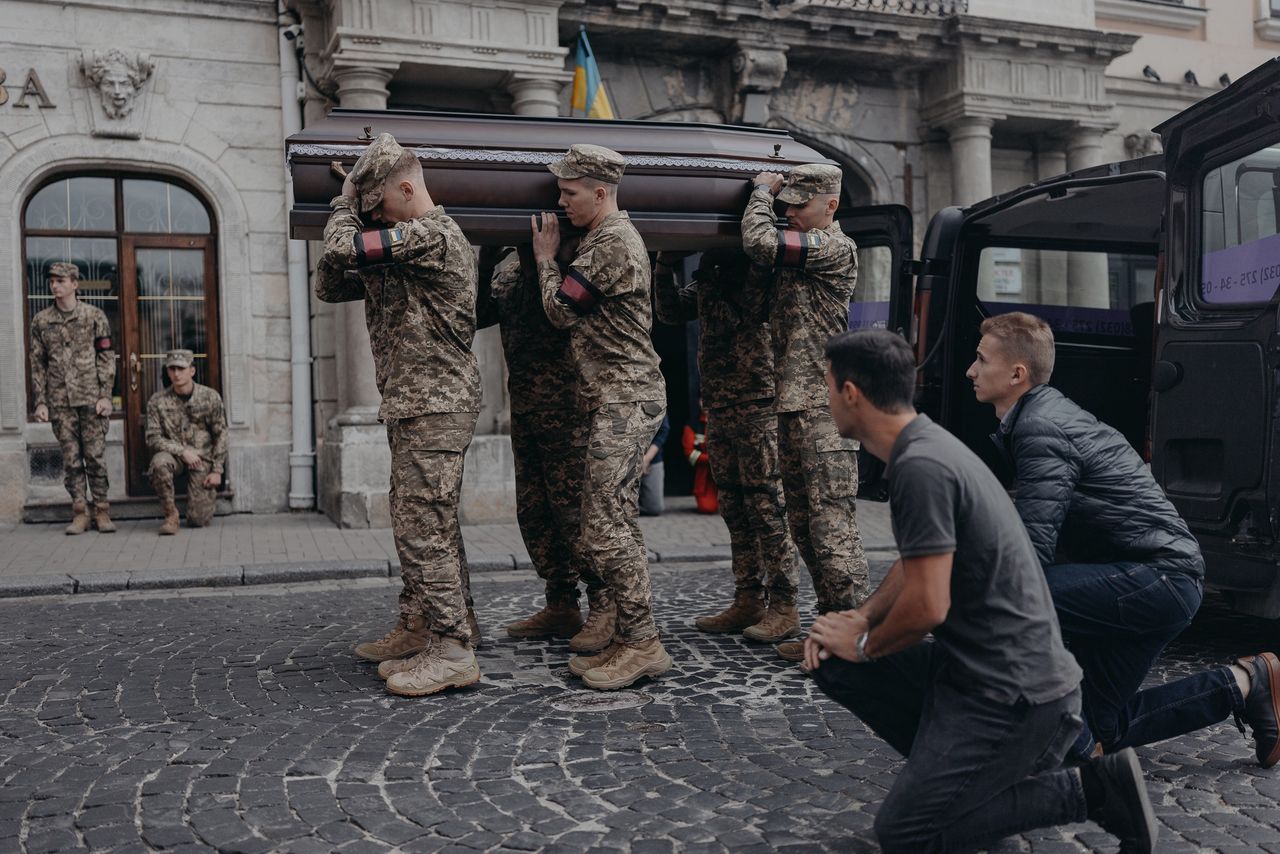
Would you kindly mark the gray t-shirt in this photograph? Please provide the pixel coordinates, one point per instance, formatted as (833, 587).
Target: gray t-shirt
(1001, 637)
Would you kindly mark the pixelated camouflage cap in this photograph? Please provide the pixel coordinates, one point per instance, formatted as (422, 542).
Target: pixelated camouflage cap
(809, 180)
(371, 170)
(179, 358)
(590, 161)
(64, 268)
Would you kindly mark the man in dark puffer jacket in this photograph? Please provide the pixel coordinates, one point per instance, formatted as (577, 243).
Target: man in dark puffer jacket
(1125, 573)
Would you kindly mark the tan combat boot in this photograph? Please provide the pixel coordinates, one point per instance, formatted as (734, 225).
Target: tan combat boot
(747, 610)
(597, 631)
(561, 619)
(392, 666)
(473, 628)
(580, 664)
(631, 662)
(102, 518)
(790, 650)
(780, 622)
(409, 635)
(79, 519)
(171, 521)
(447, 664)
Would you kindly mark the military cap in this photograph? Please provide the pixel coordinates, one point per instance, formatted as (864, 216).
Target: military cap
(371, 170)
(809, 180)
(590, 161)
(179, 358)
(64, 268)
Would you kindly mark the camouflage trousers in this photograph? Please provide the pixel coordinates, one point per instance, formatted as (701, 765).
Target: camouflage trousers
(201, 500)
(618, 434)
(550, 457)
(742, 444)
(82, 435)
(820, 481)
(426, 479)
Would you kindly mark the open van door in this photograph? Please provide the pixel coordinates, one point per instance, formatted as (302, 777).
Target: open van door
(882, 298)
(1217, 349)
(1079, 251)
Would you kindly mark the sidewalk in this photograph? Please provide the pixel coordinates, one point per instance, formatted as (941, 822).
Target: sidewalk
(274, 548)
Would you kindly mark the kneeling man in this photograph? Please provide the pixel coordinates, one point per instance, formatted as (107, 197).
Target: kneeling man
(1125, 572)
(186, 432)
(985, 711)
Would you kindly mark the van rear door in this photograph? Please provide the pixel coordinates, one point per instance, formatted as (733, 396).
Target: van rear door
(1217, 348)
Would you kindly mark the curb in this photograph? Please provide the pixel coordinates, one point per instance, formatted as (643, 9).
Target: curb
(237, 575)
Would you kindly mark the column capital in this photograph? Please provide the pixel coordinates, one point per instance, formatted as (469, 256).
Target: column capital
(758, 70)
(970, 127)
(363, 86)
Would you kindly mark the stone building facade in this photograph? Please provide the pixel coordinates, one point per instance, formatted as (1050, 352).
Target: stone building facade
(170, 115)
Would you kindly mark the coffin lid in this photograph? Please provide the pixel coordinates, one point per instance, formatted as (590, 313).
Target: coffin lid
(685, 184)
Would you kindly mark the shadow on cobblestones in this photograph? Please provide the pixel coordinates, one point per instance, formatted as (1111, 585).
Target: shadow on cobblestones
(240, 722)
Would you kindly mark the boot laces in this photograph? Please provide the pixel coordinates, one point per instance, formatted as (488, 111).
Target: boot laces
(595, 616)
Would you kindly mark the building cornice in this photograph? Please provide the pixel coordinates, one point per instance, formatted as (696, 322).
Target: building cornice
(1175, 16)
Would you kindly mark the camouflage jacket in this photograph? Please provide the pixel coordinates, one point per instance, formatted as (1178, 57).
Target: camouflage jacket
(603, 301)
(812, 276)
(72, 361)
(418, 283)
(539, 374)
(735, 355)
(198, 423)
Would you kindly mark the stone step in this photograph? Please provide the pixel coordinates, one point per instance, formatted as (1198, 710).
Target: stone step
(134, 507)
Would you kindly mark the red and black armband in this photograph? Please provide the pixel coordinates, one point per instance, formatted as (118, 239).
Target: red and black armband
(102, 342)
(794, 247)
(577, 292)
(375, 246)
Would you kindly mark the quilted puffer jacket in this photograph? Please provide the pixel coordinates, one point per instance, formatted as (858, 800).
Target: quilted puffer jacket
(1084, 494)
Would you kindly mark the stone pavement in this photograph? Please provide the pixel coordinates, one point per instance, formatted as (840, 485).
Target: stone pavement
(237, 720)
(270, 548)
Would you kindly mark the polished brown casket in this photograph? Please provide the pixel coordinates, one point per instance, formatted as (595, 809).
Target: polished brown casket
(685, 185)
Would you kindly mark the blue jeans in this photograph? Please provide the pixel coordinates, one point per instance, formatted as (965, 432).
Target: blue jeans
(1117, 619)
(977, 770)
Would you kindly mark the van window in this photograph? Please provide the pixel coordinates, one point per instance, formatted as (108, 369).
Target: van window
(870, 306)
(1085, 293)
(1240, 263)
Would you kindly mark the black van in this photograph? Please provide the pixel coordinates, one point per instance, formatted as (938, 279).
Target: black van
(1159, 277)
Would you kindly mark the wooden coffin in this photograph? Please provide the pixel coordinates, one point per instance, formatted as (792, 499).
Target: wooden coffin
(685, 185)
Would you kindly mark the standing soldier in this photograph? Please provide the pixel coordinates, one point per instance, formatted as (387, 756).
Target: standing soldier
(186, 431)
(735, 361)
(417, 277)
(548, 442)
(810, 269)
(604, 302)
(73, 370)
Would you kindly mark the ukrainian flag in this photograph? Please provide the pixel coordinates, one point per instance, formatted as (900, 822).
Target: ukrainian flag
(588, 89)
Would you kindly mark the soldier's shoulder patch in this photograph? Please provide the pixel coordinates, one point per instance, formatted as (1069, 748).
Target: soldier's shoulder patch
(794, 246)
(376, 245)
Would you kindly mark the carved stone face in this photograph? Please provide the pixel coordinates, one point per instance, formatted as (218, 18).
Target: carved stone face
(118, 92)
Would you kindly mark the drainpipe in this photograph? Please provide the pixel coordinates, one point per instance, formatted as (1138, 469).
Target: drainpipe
(302, 457)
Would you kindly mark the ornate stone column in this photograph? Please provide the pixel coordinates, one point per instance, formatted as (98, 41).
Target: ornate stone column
(970, 139)
(536, 96)
(1088, 284)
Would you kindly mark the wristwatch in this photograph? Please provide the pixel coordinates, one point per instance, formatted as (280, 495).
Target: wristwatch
(861, 650)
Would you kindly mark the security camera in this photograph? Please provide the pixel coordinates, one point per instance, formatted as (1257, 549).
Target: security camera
(293, 31)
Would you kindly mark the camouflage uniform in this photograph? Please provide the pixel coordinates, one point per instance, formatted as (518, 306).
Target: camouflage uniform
(604, 302)
(72, 368)
(811, 277)
(735, 360)
(175, 424)
(418, 283)
(548, 438)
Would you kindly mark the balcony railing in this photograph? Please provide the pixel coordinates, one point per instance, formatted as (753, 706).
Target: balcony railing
(939, 8)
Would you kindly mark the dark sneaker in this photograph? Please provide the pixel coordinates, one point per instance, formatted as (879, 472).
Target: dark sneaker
(1262, 707)
(1124, 810)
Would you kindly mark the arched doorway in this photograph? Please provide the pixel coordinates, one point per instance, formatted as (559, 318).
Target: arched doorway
(146, 251)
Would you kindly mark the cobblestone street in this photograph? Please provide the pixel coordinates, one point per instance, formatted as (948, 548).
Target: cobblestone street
(239, 721)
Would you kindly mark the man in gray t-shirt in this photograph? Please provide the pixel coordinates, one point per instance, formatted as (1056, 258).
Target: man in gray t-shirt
(986, 710)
